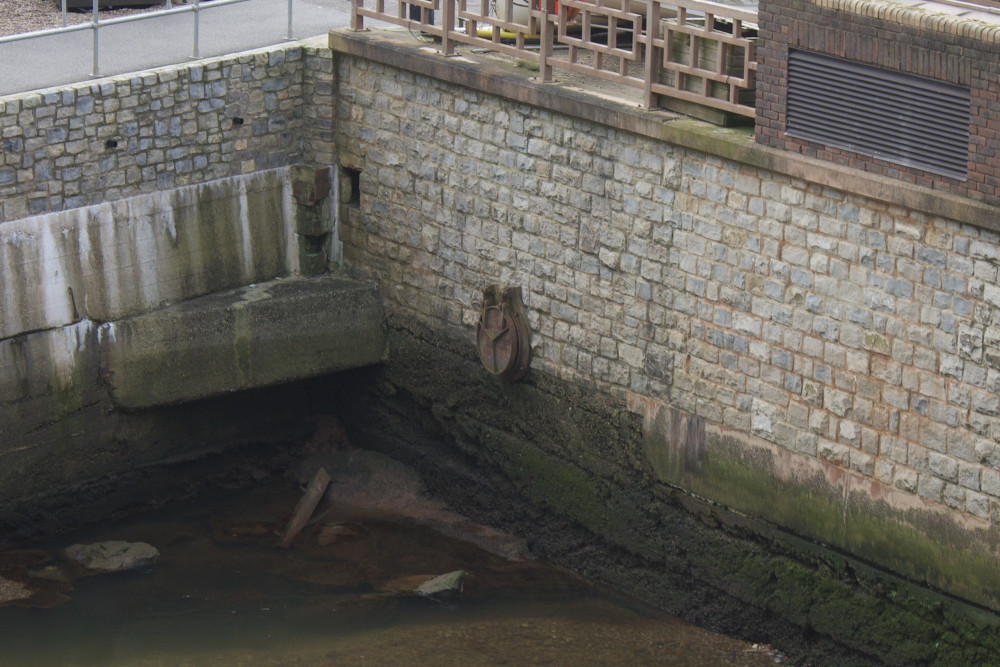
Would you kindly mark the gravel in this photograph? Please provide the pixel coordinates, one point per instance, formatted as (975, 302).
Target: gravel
(19, 16)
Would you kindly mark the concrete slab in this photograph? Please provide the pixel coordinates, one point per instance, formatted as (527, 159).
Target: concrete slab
(255, 336)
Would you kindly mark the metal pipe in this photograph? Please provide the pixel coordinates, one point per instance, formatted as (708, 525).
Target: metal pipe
(289, 19)
(63, 3)
(45, 33)
(48, 32)
(197, 17)
(97, 42)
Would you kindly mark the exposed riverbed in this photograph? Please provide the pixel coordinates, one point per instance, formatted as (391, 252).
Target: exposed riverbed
(223, 593)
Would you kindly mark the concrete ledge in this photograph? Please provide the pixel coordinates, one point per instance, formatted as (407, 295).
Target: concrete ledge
(250, 337)
(496, 77)
(927, 16)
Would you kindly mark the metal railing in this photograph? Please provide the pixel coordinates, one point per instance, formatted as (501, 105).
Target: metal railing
(96, 23)
(693, 50)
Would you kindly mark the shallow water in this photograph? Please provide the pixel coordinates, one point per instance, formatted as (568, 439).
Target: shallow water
(222, 593)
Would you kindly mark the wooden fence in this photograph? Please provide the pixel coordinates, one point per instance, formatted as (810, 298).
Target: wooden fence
(697, 51)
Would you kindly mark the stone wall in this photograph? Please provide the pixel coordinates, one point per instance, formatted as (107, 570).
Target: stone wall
(175, 126)
(811, 356)
(959, 50)
(797, 348)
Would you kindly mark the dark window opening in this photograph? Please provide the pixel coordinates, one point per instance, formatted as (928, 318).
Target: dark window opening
(352, 185)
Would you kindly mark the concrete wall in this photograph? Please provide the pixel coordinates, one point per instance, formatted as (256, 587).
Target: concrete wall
(798, 350)
(68, 275)
(116, 259)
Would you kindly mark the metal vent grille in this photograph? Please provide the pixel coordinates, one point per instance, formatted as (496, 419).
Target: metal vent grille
(900, 118)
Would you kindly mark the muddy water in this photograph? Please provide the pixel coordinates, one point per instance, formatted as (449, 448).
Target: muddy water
(222, 593)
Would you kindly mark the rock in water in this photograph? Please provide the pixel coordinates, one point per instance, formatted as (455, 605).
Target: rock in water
(444, 587)
(12, 591)
(113, 556)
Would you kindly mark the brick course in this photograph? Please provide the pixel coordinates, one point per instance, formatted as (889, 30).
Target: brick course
(910, 40)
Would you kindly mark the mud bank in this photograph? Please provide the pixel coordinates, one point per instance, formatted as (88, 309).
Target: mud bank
(563, 467)
(353, 588)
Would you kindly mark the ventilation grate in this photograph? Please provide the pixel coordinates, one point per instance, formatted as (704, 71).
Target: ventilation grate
(900, 118)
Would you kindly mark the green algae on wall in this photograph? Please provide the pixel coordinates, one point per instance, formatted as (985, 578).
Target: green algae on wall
(827, 504)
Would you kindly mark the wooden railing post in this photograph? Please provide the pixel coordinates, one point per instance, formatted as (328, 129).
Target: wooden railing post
(357, 20)
(652, 55)
(447, 26)
(545, 44)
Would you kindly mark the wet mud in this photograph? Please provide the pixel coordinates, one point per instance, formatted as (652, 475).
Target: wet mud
(344, 592)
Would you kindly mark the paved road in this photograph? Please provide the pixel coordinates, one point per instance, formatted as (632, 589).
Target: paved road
(67, 58)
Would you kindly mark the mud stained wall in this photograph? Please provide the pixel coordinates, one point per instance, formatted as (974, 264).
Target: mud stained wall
(810, 356)
(564, 466)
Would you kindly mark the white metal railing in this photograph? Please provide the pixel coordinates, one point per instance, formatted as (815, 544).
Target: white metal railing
(694, 50)
(96, 23)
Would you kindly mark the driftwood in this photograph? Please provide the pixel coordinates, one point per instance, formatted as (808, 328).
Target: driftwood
(307, 504)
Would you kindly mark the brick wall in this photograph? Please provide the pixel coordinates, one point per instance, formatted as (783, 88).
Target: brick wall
(910, 40)
(174, 126)
(846, 331)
